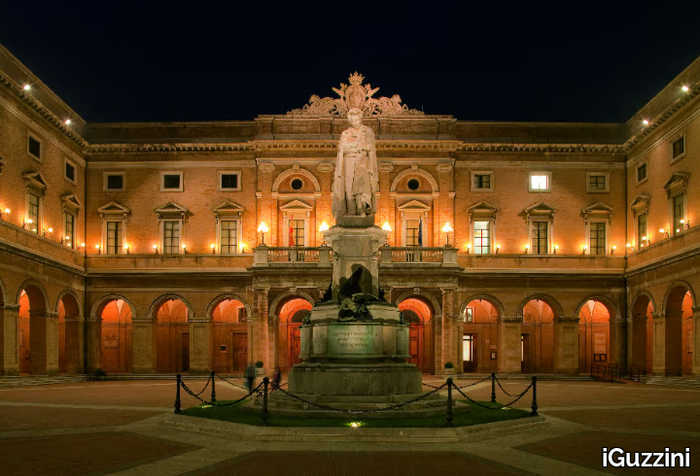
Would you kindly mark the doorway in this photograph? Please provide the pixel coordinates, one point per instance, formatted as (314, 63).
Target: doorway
(415, 344)
(185, 346)
(525, 356)
(239, 351)
(469, 353)
(294, 343)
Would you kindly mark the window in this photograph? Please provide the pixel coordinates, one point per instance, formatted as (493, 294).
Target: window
(468, 347)
(641, 172)
(413, 184)
(113, 182)
(482, 181)
(469, 315)
(678, 213)
(34, 147)
(33, 210)
(297, 184)
(114, 237)
(229, 236)
(229, 181)
(413, 232)
(540, 238)
(297, 231)
(678, 148)
(597, 182)
(171, 237)
(482, 237)
(597, 238)
(69, 171)
(540, 181)
(69, 230)
(641, 228)
(171, 182)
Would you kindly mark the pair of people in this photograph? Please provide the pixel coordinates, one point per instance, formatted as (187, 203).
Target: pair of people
(249, 376)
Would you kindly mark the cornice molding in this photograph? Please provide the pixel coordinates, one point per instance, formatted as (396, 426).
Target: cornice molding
(43, 111)
(543, 148)
(146, 148)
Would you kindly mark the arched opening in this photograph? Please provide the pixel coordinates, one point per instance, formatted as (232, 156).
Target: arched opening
(641, 356)
(173, 334)
(418, 315)
(678, 333)
(38, 333)
(291, 315)
(479, 336)
(594, 335)
(115, 337)
(69, 348)
(230, 337)
(537, 337)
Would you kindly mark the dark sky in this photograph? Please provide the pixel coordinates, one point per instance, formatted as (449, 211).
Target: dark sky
(194, 61)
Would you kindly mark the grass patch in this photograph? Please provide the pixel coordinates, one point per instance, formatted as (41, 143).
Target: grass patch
(237, 414)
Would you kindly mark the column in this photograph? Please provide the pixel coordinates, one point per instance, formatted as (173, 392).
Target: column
(673, 335)
(258, 343)
(201, 351)
(618, 342)
(509, 342)
(449, 349)
(144, 341)
(93, 344)
(696, 342)
(566, 352)
(9, 339)
(659, 345)
(51, 343)
(38, 342)
(74, 345)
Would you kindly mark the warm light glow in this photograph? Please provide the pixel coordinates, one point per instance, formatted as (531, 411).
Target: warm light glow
(7, 210)
(614, 248)
(556, 247)
(30, 221)
(629, 246)
(212, 246)
(323, 227)
(527, 247)
(685, 88)
(97, 247)
(126, 247)
(27, 87)
(184, 247)
(386, 226)
(82, 245)
(645, 122)
(262, 228)
(447, 228)
(585, 247)
(155, 247)
(241, 247)
(67, 237)
(67, 122)
(50, 230)
(498, 247)
(661, 230)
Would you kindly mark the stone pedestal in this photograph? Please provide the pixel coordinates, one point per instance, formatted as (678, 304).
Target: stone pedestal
(566, 355)
(143, 345)
(509, 353)
(200, 347)
(9, 335)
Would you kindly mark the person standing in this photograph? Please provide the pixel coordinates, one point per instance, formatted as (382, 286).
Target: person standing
(249, 376)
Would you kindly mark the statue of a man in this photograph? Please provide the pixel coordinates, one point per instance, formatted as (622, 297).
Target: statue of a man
(356, 183)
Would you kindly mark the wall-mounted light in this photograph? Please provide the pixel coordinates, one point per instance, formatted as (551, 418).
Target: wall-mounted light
(645, 122)
(469, 248)
(685, 88)
(630, 248)
(184, 249)
(47, 231)
(322, 229)
(498, 248)
(447, 229)
(241, 248)
(155, 248)
(556, 248)
(213, 248)
(27, 87)
(612, 251)
(527, 249)
(98, 248)
(3, 213)
(262, 229)
(664, 232)
(684, 223)
(67, 122)
(27, 223)
(386, 227)
(127, 248)
(82, 246)
(584, 248)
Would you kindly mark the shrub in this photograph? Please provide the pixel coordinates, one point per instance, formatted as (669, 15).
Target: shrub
(449, 365)
(259, 364)
(100, 373)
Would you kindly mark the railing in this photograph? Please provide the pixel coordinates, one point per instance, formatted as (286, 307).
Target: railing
(416, 255)
(291, 254)
(615, 373)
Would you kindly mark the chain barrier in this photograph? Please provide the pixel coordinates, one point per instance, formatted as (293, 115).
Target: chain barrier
(428, 385)
(472, 384)
(375, 410)
(231, 383)
(215, 404)
(504, 390)
(493, 408)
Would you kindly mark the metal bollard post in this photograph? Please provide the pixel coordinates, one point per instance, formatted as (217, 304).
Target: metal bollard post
(448, 419)
(534, 396)
(213, 386)
(177, 395)
(493, 387)
(263, 414)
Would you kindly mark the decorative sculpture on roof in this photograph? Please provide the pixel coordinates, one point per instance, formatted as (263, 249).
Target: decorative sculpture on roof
(354, 96)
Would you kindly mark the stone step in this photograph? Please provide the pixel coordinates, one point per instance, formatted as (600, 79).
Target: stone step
(577, 377)
(685, 382)
(6, 382)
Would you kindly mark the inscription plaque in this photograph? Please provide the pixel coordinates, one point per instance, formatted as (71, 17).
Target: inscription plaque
(352, 340)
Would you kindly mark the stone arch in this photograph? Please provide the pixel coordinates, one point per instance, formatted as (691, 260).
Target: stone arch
(296, 170)
(159, 301)
(609, 303)
(36, 294)
(486, 297)
(415, 170)
(637, 297)
(671, 294)
(101, 302)
(277, 302)
(549, 300)
(73, 308)
(640, 348)
(223, 297)
(431, 300)
(3, 293)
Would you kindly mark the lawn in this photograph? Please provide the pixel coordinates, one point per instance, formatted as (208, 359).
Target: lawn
(237, 414)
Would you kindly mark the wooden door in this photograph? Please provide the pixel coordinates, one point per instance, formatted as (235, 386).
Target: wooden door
(469, 353)
(185, 346)
(415, 344)
(526, 356)
(239, 351)
(294, 339)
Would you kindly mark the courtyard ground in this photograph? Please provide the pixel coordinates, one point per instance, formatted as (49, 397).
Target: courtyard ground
(99, 428)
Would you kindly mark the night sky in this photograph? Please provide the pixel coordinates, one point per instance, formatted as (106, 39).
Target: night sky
(194, 61)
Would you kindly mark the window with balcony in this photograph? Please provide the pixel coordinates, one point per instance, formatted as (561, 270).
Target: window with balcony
(482, 237)
(171, 217)
(114, 237)
(296, 222)
(114, 219)
(414, 223)
(414, 230)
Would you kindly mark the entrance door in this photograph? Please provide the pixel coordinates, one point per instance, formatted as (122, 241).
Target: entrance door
(294, 344)
(469, 354)
(415, 344)
(239, 351)
(185, 352)
(526, 358)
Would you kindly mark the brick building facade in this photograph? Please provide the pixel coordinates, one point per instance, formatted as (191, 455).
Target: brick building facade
(137, 247)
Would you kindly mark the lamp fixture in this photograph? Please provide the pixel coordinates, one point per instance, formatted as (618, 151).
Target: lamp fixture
(155, 248)
(612, 251)
(684, 223)
(26, 223)
(645, 122)
(498, 248)
(262, 229)
(584, 248)
(47, 231)
(184, 249)
(26, 87)
(685, 88)
(386, 227)
(3, 213)
(469, 249)
(556, 248)
(98, 249)
(664, 232)
(67, 122)
(447, 229)
(213, 248)
(127, 248)
(527, 249)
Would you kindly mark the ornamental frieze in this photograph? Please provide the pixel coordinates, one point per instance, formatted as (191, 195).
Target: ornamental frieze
(355, 95)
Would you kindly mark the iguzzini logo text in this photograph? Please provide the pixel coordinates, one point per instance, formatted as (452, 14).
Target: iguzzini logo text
(619, 458)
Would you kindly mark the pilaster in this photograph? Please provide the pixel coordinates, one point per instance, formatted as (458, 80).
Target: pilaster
(93, 344)
(74, 345)
(674, 338)
(509, 346)
(449, 353)
(201, 332)
(9, 339)
(566, 352)
(259, 328)
(659, 345)
(144, 342)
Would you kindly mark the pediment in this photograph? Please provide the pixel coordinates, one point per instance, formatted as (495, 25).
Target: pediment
(113, 208)
(482, 207)
(413, 206)
(296, 205)
(598, 209)
(641, 201)
(677, 182)
(539, 208)
(171, 209)
(35, 180)
(229, 208)
(71, 201)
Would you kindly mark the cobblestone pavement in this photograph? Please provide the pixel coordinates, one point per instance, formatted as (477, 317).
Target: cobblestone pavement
(99, 428)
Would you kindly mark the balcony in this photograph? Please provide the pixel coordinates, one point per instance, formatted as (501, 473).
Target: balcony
(291, 256)
(418, 256)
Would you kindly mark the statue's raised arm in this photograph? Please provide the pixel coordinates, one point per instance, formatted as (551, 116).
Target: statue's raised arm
(356, 183)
